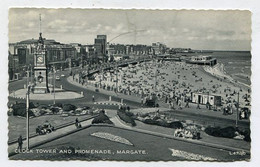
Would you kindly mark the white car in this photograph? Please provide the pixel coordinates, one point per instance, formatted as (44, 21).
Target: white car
(57, 78)
(62, 75)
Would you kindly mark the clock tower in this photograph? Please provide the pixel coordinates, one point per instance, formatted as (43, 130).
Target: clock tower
(40, 68)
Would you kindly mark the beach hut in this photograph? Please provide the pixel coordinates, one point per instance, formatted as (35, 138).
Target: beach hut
(203, 98)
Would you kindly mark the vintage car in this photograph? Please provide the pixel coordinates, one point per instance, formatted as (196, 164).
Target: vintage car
(58, 78)
(44, 129)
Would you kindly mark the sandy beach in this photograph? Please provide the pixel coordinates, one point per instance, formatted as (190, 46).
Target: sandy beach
(169, 79)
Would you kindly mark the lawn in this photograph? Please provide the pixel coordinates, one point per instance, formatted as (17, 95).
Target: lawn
(155, 148)
(17, 125)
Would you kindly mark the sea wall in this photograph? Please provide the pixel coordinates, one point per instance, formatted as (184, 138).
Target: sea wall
(219, 71)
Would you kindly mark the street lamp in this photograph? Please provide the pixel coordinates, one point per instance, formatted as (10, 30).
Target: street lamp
(27, 77)
(237, 109)
(27, 117)
(31, 74)
(54, 84)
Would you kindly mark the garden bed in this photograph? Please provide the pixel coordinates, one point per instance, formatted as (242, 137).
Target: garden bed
(229, 132)
(102, 118)
(127, 117)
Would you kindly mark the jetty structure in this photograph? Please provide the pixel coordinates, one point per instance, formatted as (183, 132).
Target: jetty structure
(202, 60)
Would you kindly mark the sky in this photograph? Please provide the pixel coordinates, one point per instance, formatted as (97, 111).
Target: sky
(196, 29)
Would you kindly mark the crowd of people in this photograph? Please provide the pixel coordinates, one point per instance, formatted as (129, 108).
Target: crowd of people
(170, 81)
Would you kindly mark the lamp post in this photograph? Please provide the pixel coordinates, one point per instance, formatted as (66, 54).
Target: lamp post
(237, 109)
(27, 117)
(54, 78)
(31, 74)
(27, 77)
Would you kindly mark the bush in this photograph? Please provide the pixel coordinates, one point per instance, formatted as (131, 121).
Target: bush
(31, 105)
(57, 105)
(130, 114)
(42, 112)
(150, 121)
(43, 106)
(227, 132)
(68, 107)
(246, 133)
(19, 109)
(163, 123)
(102, 118)
(125, 116)
(143, 115)
(175, 125)
(86, 108)
(55, 110)
(160, 122)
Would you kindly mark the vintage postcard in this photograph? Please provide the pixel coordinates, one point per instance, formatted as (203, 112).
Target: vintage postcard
(129, 85)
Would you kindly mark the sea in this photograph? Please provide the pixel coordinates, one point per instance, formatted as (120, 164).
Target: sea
(237, 64)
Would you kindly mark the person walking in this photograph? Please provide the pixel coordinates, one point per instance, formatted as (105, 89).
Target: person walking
(20, 143)
(187, 104)
(198, 106)
(77, 123)
(93, 98)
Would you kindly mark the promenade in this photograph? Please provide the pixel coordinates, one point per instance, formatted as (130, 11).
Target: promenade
(203, 111)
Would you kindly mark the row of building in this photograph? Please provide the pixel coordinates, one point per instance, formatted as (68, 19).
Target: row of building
(155, 49)
(63, 55)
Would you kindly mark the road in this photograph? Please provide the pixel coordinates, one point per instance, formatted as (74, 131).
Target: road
(87, 100)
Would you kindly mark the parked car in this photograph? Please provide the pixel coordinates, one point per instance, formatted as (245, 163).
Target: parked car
(44, 129)
(58, 78)
(64, 114)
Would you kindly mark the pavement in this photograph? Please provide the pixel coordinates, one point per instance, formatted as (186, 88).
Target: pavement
(59, 95)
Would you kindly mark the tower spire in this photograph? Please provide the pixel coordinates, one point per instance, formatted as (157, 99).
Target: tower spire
(40, 30)
(40, 24)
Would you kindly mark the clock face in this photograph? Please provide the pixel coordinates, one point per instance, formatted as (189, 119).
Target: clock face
(40, 60)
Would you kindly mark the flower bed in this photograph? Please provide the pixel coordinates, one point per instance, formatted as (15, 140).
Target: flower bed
(190, 156)
(111, 137)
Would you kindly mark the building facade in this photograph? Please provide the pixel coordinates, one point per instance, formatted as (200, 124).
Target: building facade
(100, 44)
(57, 54)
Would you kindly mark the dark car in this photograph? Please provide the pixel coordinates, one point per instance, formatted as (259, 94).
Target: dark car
(44, 129)
(152, 102)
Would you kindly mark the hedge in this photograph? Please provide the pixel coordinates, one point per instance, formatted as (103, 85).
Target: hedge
(227, 132)
(19, 109)
(69, 107)
(102, 118)
(57, 105)
(126, 117)
(175, 124)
